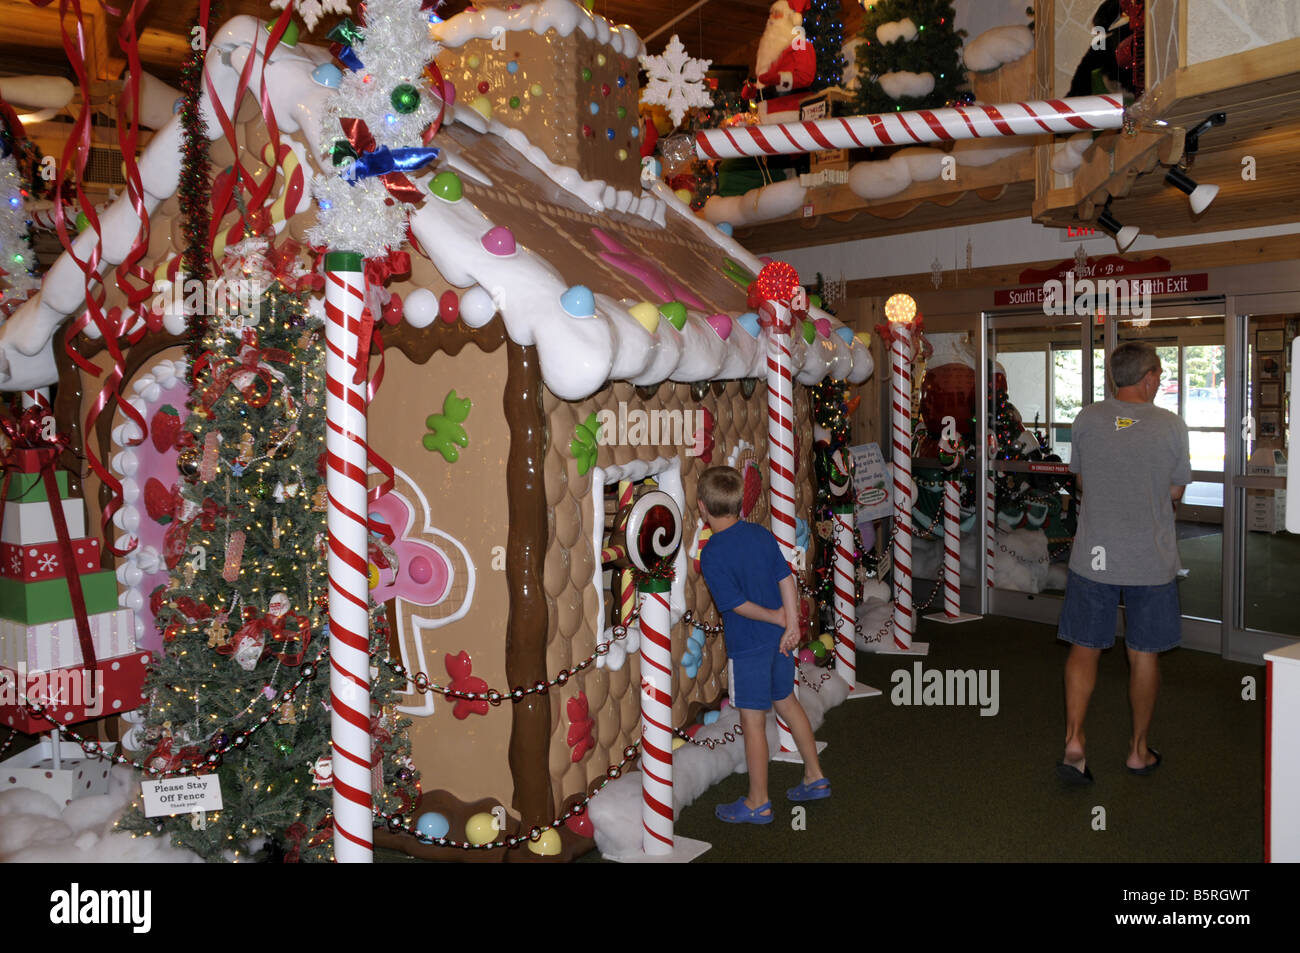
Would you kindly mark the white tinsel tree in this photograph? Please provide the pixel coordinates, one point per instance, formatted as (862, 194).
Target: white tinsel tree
(360, 214)
(16, 255)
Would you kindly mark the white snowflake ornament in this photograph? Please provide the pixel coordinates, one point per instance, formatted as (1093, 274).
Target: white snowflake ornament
(676, 81)
(312, 10)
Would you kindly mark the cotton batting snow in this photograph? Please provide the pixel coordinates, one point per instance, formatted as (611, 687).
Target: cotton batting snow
(992, 48)
(896, 30)
(757, 205)
(616, 811)
(34, 829)
(903, 83)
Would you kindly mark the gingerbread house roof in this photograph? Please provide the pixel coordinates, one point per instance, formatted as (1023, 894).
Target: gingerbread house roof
(574, 266)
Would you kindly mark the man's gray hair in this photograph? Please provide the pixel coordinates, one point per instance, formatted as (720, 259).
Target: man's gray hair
(1132, 361)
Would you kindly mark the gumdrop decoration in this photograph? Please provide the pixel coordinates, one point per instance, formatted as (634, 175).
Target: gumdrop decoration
(447, 432)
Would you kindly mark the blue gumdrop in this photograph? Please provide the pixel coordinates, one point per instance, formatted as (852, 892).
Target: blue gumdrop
(328, 75)
(432, 824)
(690, 669)
(578, 301)
(846, 335)
(634, 132)
(749, 321)
(512, 67)
(709, 717)
(176, 106)
(656, 169)
(725, 228)
(595, 108)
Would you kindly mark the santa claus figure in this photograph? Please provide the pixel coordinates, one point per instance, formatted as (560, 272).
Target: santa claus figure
(786, 59)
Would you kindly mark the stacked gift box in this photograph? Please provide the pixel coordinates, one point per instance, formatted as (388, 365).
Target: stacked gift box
(42, 652)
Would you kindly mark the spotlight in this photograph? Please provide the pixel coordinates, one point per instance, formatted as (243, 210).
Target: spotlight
(1124, 235)
(1200, 196)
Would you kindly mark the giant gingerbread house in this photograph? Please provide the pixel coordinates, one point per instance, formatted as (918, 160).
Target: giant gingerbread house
(569, 334)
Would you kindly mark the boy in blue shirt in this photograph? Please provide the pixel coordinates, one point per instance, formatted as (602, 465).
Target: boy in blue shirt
(754, 590)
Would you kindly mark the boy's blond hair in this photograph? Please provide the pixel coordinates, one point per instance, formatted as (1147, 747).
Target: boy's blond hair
(721, 490)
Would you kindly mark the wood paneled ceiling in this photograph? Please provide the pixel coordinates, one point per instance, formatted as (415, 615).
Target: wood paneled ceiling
(724, 31)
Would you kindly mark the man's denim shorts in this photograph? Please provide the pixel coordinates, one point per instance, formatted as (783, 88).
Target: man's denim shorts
(1152, 618)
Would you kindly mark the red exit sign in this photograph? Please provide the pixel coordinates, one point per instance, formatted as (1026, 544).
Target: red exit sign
(1074, 233)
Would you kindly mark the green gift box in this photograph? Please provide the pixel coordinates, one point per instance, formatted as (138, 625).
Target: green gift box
(34, 603)
(30, 487)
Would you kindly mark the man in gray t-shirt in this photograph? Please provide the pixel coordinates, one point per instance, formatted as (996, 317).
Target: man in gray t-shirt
(1133, 462)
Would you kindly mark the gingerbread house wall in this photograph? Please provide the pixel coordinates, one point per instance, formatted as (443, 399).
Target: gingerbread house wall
(613, 697)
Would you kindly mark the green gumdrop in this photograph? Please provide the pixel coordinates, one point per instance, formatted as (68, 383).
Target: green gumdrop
(809, 332)
(675, 312)
(446, 185)
(586, 75)
(818, 650)
(815, 301)
(82, 222)
(290, 37)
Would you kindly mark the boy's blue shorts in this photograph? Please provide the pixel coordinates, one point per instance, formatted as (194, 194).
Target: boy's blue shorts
(1152, 618)
(757, 679)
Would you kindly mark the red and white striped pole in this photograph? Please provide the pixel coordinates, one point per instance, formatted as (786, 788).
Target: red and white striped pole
(990, 513)
(1075, 114)
(37, 397)
(900, 310)
(656, 719)
(846, 648)
(345, 478)
(779, 285)
(951, 549)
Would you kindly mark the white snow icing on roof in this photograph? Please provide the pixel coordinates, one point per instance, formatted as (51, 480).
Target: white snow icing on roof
(562, 16)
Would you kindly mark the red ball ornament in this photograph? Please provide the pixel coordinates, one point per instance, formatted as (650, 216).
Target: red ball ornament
(449, 307)
(778, 281)
(393, 310)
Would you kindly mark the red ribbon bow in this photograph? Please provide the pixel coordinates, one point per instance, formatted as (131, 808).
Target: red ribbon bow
(251, 366)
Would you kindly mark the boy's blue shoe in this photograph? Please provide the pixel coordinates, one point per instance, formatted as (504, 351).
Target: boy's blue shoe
(810, 791)
(738, 812)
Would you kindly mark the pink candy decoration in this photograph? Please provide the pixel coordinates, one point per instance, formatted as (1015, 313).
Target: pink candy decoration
(806, 657)
(823, 326)
(721, 323)
(500, 241)
(448, 91)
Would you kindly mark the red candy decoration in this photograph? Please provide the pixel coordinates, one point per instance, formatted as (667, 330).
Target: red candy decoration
(777, 281)
(587, 131)
(581, 825)
(392, 313)
(604, 89)
(449, 307)
(484, 86)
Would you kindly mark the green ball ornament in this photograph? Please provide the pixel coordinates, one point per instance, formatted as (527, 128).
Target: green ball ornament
(342, 152)
(284, 747)
(261, 489)
(405, 99)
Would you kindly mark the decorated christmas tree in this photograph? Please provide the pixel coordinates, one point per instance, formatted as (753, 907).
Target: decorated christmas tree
(910, 57)
(824, 25)
(243, 687)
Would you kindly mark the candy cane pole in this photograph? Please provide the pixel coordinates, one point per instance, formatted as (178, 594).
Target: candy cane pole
(656, 719)
(627, 591)
(780, 453)
(36, 397)
(1076, 114)
(990, 517)
(951, 550)
(846, 649)
(901, 383)
(345, 479)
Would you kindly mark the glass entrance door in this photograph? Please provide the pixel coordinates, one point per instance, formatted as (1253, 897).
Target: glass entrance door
(1266, 568)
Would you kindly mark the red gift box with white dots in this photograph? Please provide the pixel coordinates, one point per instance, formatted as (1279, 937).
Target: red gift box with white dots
(36, 562)
(73, 694)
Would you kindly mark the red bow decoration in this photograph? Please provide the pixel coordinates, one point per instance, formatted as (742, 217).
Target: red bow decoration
(888, 332)
(251, 366)
(396, 263)
(28, 442)
(362, 141)
(280, 630)
(294, 834)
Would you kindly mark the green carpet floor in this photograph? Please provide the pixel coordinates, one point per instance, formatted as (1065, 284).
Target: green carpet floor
(946, 784)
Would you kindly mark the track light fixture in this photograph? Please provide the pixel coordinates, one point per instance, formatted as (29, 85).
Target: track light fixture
(1124, 235)
(1200, 196)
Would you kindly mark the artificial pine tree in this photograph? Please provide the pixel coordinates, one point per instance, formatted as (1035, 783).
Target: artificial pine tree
(824, 26)
(244, 619)
(909, 37)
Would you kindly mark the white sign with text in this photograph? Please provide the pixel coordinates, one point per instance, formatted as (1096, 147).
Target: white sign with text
(181, 795)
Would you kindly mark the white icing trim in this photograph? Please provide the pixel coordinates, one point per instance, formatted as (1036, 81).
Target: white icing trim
(562, 16)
